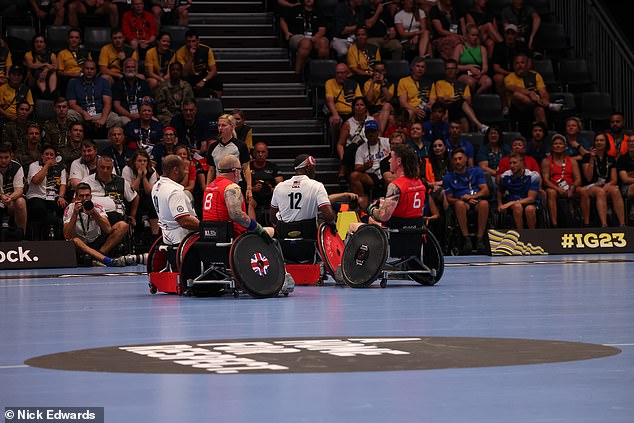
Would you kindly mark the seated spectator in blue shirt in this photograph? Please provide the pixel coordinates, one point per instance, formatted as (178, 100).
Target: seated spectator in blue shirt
(90, 99)
(144, 132)
(466, 188)
(436, 127)
(518, 192)
(455, 141)
(129, 92)
(538, 147)
(416, 141)
(119, 152)
(577, 145)
(192, 129)
(491, 152)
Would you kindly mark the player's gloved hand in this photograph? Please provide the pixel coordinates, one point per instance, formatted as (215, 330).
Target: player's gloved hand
(333, 228)
(259, 229)
(373, 206)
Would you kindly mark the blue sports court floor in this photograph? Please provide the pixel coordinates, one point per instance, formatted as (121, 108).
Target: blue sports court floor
(580, 299)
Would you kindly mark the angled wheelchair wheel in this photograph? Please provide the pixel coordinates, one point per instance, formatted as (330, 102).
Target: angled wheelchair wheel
(432, 257)
(156, 260)
(190, 265)
(330, 248)
(364, 256)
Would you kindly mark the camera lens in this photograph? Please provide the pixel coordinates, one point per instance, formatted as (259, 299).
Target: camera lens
(88, 205)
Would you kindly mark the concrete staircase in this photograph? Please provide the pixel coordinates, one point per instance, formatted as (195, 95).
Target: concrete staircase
(258, 78)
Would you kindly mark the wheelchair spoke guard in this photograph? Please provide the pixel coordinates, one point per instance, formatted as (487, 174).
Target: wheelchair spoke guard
(364, 256)
(330, 248)
(257, 266)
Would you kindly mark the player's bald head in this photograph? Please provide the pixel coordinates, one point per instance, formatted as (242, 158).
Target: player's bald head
(228, 162)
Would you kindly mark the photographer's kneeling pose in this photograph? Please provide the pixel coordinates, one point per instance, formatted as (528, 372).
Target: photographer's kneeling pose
(86, 224)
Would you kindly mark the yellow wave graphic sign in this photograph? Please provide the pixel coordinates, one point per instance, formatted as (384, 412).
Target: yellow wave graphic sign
(509, 244)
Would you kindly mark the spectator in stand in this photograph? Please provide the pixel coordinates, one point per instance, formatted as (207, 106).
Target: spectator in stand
(157, 60)
(349, 15)
(55, 131)
(172, 93)
(526, 91)
(141, 176)
(466, 188)
(129, 93)
(381, 30)
(89, 229)
(165, 148)
(440, 164)
(42, 65)
(177, 11)
(502, 61)
(617, 135)
(400, 123)
(518, 191)
(47, 187)
(525, 18)
(367, 172)
(578, 145)
(117, 149)
(538, 147)
(305, 31)
(13, 93)
(417, 142)
(48, 12)
(192, 129)
(456, 95)
(139, 27)
(384, 166)
(12, 187)
(411, 25)
(351, 136)
(5, 61)
(447, 28)
(265, 176)
(379, 93)
(71, 60)
(113, 55)
(518, 145)
(228, 145)
(243, 131)
(486, 22)
(113, 192)
(144, 132)
(562, 177)
(85, 165)
(189, 170)
(199, 66)
(456, 140)
(415, 90)
(625, 167)
(72, 150)
(90, 99)
(340, 93)
(492, 151)
(92, 7)
(473, 61)
(31, 151)
(601, 181)
(362, 57)
(14, 131)
(436, 127)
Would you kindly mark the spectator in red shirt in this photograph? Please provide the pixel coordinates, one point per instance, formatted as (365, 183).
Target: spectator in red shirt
(139, 26)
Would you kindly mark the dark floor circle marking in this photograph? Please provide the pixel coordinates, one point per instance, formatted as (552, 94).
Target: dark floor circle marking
(321, 355)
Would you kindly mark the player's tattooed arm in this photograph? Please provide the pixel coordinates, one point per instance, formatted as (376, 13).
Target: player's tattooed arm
(384, 212)
(233, 200)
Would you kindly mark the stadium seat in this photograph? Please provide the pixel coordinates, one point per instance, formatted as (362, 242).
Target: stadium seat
(396, 69)
(319, 71)
(552, 40)
(210, 108)
(570, 108)
(488, 109)
(435, 68)
(20, 37)
(509, 136)
(56, 37)
(44, 110)
(546, 69)
(596, 107)
(178, 34)
(575, 76)
(95, 38)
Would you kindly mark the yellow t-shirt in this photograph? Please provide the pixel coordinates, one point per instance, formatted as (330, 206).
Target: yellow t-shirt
(109, 57)
(378, 98)
(8, 102)
(67, 61)
(444, 88)
(532, 81)
(343, 100)
(359, 60)
(157, 62)
(182, 56)
(7, 65)
(414, 95)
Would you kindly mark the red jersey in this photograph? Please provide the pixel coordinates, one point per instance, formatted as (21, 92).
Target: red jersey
(412, 199)
(214, 206)
(559, 172)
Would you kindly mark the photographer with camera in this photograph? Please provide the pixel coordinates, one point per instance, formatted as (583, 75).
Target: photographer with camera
(86, 225)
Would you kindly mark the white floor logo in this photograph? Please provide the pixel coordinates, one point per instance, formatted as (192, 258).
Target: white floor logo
(18, 255)
(320, 355)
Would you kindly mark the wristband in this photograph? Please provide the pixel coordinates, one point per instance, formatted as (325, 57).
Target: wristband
(252, 225)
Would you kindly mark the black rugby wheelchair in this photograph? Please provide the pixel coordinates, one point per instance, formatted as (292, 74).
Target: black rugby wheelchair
(406, 249)
(211, 262)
